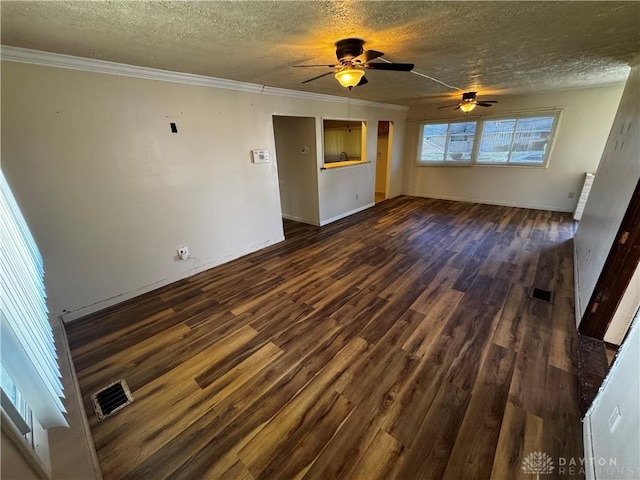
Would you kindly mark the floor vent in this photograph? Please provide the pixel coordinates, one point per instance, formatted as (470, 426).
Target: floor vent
(542, 295)
(111, 399)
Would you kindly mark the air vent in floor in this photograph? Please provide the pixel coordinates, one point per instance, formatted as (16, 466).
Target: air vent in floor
(111, 399)
(542, 295)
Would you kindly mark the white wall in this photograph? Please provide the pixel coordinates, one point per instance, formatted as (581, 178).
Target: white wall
(14, 465)
(609, 439)
(109, 192)
(297, 171)
(580, 138)
(616, 178)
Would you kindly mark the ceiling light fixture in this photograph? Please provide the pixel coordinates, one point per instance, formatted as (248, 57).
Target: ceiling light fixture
(349, 76)
(467, 106)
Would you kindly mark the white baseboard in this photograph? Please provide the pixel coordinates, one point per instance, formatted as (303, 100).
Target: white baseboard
(589, 470)
(346, 214)
(68, 317)
(550, 208)
(576, 285)
(300, 219)
(77, 417)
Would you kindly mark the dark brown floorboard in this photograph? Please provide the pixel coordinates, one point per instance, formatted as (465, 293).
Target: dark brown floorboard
(397, 343)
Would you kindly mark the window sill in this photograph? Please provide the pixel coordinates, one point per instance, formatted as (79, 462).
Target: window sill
(350, 163)
(443, 164)
(491, 165)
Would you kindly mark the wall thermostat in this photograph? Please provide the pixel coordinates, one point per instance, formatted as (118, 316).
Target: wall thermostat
(260, 156)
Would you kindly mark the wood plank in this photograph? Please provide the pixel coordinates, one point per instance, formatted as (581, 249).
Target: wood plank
(428, 456)
(475, 446)
(520, 435)
(380, 460)
(295, 441)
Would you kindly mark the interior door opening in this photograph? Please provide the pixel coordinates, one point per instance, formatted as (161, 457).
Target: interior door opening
(296, 160)
(383, 160)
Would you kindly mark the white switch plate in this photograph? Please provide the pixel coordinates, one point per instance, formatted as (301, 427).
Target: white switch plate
(260, 156)
(615, 417)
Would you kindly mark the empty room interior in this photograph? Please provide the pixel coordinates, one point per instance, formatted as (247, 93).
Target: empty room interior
(320, 240)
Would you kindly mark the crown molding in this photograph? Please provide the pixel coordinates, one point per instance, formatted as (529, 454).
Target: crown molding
(58, 60)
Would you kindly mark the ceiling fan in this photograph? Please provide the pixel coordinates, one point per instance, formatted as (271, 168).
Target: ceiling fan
(469, 102)
(353, 59)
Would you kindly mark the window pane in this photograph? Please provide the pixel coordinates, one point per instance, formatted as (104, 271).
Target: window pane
(531, 139)
(496, 140)
(434, 141)
(460, 145)
(20, 414)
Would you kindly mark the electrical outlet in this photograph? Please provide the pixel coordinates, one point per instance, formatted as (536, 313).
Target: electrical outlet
(183, 253)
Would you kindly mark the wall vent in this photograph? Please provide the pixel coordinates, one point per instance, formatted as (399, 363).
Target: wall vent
(111, 399)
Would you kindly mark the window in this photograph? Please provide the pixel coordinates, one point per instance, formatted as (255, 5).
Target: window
(344, 142)
(447, 142)
(15, 405)
(30, 384)
(516, 140)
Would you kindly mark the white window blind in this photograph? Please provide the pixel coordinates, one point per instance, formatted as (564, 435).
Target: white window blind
(28, 352)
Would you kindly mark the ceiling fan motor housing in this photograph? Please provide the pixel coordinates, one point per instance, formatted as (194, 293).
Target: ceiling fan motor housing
(348, 49)
(468, 96)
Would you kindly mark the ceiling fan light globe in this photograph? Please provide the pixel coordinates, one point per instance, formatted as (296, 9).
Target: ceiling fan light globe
(466, 107)
(349, 77)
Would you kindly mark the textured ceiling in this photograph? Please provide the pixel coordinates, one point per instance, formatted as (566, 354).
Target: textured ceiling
(493, 47)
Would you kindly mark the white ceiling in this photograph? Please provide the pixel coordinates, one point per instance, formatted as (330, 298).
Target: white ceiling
(493, 47)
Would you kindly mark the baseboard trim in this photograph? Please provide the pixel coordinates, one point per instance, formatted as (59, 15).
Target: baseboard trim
(64, 352)
(548, 208)
(74, 315)
(576, 285)
(346, 214)
(589, 469)
(300, 219)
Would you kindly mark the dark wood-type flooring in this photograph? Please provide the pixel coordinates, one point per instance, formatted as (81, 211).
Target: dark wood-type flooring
(398, 343)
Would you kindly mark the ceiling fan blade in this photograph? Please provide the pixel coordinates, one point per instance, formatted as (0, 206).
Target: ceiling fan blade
(484, 104)
(490, 101)
(307, 66)
(319, 76)
(367, 56)
(399, 67)
(457, 108)
(363, 81)
(452, 105)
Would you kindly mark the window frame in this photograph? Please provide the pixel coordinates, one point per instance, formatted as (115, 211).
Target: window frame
(477, 141)
(447, 141)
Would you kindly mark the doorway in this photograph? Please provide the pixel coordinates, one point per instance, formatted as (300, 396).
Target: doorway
(296, 157)
(383, 160)
(616, 295)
